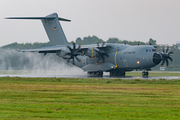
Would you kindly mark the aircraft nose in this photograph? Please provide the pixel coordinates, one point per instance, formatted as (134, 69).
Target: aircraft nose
(156, 58)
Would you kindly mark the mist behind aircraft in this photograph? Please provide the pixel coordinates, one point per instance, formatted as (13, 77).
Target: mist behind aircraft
(36, 63)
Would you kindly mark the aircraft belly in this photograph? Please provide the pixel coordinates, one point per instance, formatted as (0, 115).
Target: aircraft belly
(99, 67)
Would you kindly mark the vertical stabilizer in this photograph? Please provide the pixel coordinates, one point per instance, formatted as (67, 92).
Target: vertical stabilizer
(54, 30)
(52, 26)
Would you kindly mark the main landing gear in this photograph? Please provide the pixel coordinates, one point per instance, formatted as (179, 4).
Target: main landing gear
(145, 73)
(97, 73)
(117, 73)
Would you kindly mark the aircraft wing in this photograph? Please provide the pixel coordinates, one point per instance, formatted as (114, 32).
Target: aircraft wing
(92, 46)
(51, 49)
(54, 49)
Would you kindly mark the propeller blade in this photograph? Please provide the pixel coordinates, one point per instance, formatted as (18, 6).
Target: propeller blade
(73, 53)
(77, 59)
(106, 55)
(170, 59)
(167, 63)
(98, 44)
(103, 43)
(103, 59)
(73, 62)
(167, 49)
(163, 49)
(74, 46)
(162, 62)
(69, 48)
(68, 60)
(170, 53)
(166, 56)
(79, 47)
(98, 60)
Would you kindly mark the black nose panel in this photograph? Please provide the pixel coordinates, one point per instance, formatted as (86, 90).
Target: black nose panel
(156, 58)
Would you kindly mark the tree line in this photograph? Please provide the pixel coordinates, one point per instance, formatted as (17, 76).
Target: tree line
(84, 41)
(95, 39)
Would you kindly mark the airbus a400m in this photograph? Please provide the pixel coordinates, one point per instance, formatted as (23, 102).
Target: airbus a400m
(95, 59)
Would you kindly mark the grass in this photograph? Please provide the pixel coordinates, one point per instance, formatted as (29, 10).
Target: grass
(154, 73)
(74, 98)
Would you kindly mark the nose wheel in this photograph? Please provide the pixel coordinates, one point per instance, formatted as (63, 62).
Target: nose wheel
(145, 73)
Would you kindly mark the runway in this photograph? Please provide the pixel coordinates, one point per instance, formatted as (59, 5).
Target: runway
(85, 76)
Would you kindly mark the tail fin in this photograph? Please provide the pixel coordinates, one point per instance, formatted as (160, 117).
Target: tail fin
(52, 26)
(54, 30)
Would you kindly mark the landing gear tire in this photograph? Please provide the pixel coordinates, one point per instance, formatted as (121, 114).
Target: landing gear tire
(145, 74)
(90, 73)
(120, 74)
(117, 73)
(111, 74)
(123, 73)
(99, 73)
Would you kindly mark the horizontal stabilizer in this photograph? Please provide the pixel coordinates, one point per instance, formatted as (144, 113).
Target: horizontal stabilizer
(62, 19)
(39, 18)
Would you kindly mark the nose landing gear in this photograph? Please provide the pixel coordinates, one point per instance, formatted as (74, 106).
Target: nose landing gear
(145, 73)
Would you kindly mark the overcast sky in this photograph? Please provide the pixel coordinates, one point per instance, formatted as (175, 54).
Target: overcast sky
(124, 19)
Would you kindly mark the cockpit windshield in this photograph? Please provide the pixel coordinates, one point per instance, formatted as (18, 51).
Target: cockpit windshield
(151, 50)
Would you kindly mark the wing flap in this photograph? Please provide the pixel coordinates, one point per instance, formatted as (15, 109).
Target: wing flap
(43, 50)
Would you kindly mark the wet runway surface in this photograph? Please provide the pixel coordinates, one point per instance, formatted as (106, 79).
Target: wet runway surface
(85, 76)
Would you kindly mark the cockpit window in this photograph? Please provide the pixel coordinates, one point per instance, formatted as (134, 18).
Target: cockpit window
(151, 50)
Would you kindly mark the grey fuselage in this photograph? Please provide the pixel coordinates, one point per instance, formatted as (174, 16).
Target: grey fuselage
(121, 57)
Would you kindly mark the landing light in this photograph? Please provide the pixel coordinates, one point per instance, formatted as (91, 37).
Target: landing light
(138, 62)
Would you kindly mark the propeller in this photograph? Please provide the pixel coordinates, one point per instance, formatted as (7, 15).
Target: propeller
(101, 54)
(73, 53)
(166, 56)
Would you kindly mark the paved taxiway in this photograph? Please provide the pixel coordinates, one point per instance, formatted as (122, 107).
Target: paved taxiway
(85, 76)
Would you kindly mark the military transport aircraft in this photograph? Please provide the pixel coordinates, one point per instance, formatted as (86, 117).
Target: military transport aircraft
(98, 58)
